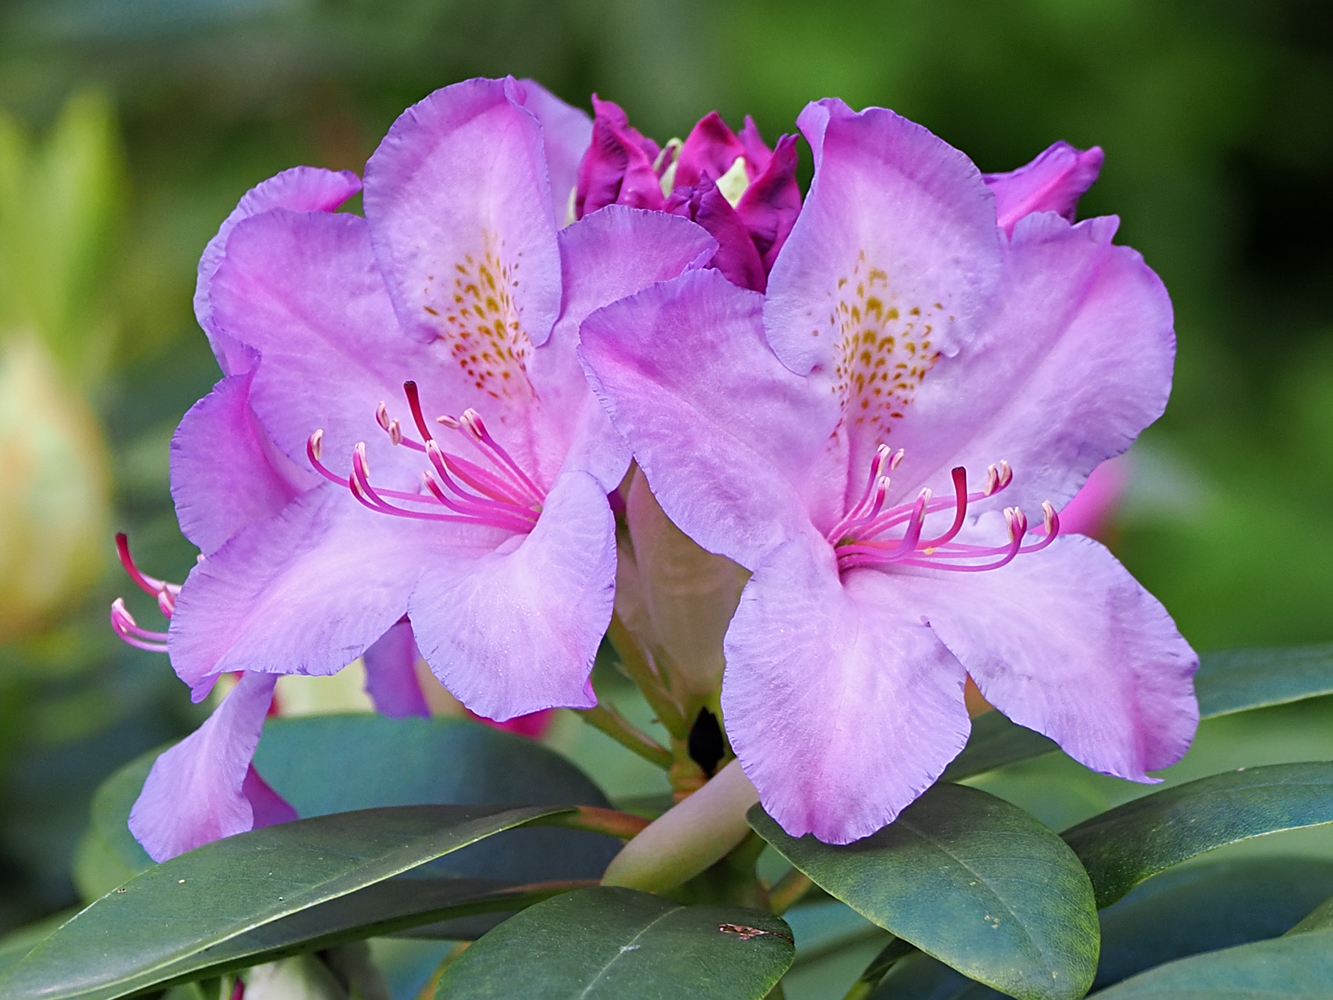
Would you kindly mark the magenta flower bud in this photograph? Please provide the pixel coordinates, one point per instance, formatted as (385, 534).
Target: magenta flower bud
(1053, 182)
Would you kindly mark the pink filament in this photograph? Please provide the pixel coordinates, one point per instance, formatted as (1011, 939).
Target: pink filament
(501, 497)
(856, 536)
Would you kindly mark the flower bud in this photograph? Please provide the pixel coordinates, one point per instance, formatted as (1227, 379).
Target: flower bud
(54, 493)
(688, 595)
(689, 837)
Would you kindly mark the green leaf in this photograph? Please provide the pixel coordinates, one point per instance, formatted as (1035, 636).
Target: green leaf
(920, 976)
(1207, 907)
(1319, 919)
(995, 742)
(16, 944)
(1228, 681)
(336, 763)
(1298, 967)
(1123, 846)
(340, 763)
(1236, 680)
(607, 943)
(167, 923)
(970, 879)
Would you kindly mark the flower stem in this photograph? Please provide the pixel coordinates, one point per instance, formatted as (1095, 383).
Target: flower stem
(608, 720)
(788, 891)
(626, 826)
(641, 672)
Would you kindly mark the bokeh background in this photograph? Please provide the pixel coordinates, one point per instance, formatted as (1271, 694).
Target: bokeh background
(129, 128)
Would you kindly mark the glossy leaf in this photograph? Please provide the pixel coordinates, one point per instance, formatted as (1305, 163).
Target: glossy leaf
(339, 763)
(995, 742)
(607, 943)
(970, 879)
(1296, 967)
(1228, 681)
(1236, 680)
(920, 977)
(1318, 919)
(164, 924)
(1123, 846)
(1206, 907)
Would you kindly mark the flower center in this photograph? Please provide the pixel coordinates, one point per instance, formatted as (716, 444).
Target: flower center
(860, 537)
(495, 493)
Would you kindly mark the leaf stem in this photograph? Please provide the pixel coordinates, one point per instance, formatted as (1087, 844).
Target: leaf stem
(607, 719)
(889, 956)
(624, 825)
(788, 891)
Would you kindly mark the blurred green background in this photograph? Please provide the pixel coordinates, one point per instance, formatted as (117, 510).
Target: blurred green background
(131, 127)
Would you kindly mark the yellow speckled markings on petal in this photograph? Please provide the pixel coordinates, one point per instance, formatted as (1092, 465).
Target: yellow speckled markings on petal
(885, 346)
(482, 323)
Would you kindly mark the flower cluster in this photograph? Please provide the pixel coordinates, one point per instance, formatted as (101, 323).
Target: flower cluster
(835, 433)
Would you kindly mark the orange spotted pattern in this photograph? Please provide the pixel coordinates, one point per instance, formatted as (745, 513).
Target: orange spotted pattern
(884, 347)
(482, 324)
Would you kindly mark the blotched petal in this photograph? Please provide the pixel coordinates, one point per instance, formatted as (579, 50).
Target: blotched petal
(892, 263)
(307, 591)
(303, 289)
(516, 630)
(459, 206)
(841, 704)
(205, 787)
(301, 189)
(225, 472)
(566, 132)
(1053, 182)
(391, 674)
(726, 435)
(1076, 362)
(606, 256)
(1066, 642)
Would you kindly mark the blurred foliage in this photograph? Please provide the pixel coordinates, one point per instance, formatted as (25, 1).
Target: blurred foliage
(1216, 117)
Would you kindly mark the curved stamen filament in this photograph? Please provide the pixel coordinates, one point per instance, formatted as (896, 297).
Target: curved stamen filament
(124, 625)
(858, 537)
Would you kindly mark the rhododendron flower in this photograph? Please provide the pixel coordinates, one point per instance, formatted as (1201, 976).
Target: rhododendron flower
(884, 439)
(734, 186)
(404, 455)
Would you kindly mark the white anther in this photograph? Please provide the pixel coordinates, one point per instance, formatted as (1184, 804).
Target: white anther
(897, 458)
(1006, 473)
(317, 444)
(448, 421)
(382, 415)
(1048, 516)
(992, 479)
(360, 451)
(395, 432)
(1017, 521)
(121, 614)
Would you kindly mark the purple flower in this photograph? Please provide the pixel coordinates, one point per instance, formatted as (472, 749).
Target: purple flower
(870, 439)
(738, 189)
(404, 454)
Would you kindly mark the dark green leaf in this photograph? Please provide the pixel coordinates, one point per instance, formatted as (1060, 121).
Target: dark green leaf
(607, 943)
(338, 763)
(1297, 967)
(1123, 846)
(1236, 680)
(970, 879)
(1206, 907)
(16, 944)
(995, 742)
(920, 977)
(163, 924)
(1319, 919)
(1228, 681)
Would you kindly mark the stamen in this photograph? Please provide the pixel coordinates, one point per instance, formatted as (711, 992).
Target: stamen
(382, 415)
(124, 625)
(471, 420)
(148, 584)
(960, 509)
